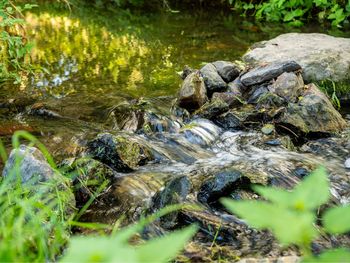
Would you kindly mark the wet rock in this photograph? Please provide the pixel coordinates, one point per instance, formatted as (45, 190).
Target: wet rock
(227, 70)
(237, 87)
(265, 73)
(313, 113)
(229, 121)
(122, 153)
(232, 99)
(331, 60)
(212, 109)
(174, 192)
(300, 172)
(186, 71)
(193, 93)
(268, 129)
(212, 79)
(288, 86)
(347, 163)
(220, 185)
(37, 174)
(91, 179)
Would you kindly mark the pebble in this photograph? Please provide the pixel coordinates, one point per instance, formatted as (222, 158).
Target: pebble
(347, 163)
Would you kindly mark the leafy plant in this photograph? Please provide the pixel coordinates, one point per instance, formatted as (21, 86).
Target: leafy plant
(14, 46)
(294, 12)
(291, 216)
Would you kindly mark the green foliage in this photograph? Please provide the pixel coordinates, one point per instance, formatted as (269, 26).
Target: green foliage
(295, 12)
(334, 90)
(13, 43)
(32, 226)
(290, 215)
(117, 249)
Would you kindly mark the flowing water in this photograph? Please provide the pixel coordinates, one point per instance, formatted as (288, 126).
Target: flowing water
(91, 62)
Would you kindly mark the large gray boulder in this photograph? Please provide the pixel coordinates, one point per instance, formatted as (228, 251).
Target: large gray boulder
(213, 81)
(321, 56)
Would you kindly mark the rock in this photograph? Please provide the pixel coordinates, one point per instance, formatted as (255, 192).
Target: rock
(313, 113)
(286, 259)
(269, 100)
(122, 153)
(39, 177)
(347, 163)
(229, 121)
(268, 129)
(193, 93)
(237, 86)
(257, 94)
(212, 109)
(174, 192)
(232, 99)
(88, 177)
(268, 72)
(41, 110)
(212, 79)
(220, 185)
(227, 70)
(186, 71)
(288, 86)
(321, 56)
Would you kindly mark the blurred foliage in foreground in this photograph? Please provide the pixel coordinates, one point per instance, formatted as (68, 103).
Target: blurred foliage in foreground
(291, 215)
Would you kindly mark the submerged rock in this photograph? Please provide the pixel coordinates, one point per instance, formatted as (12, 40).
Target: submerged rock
(313, 113)
(329, 60)
(213, 81)
(193, 93)
(122, 153)
(227, 70)
(265, 73)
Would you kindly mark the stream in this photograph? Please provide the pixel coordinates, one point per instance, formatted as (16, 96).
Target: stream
(94, 64)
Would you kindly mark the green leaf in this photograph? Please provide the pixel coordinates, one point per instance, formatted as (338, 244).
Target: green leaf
(313, 191)
(334, 255)
(337, 220)
(289, 227)
(165, 248)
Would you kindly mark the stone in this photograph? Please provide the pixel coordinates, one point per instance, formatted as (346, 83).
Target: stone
(227, 70)
(186, 71)
(122, 153)
(212, 79)
(88, 176)
(288, 86)
(229, 121)
(347, 163)
(232, 99)
(257, 94)
(39, 177)
(220, 185)
(212, 109)
(268, 72)
(313, 113)
(236, 86)
(174, 192)
(193, 93)
(268, 129)
(321, 56)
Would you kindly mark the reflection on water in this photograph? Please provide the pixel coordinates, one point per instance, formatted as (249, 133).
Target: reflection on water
(91, 61)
